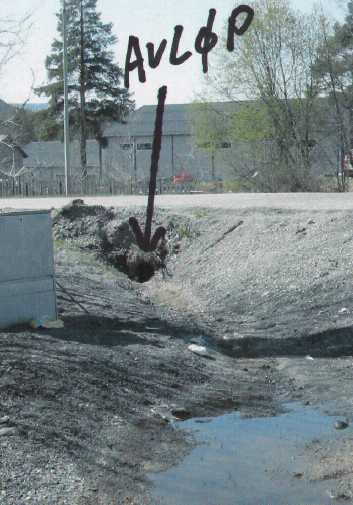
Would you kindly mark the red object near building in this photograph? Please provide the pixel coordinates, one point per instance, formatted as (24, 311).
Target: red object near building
(182, 177)
(347, 165)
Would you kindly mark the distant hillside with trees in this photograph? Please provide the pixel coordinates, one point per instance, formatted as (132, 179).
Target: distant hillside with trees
(30, 106)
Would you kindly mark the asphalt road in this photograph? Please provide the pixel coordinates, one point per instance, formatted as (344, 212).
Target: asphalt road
(295, 201)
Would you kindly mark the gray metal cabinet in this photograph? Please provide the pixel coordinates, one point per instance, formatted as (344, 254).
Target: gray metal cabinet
(27, 279)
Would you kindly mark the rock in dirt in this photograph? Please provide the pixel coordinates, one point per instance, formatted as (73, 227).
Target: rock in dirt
(199, 350)
(300, 230)
(57, 324)
(181, 414)
(338, 496)
(78, 209)
(117, 235)
(162, 415)
(142, 265)
(119, 247)
(344, 310)
(341, 425)
(4, 420)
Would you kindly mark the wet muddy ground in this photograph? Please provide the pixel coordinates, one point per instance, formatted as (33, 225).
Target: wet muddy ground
(95, 410)
(250, 461)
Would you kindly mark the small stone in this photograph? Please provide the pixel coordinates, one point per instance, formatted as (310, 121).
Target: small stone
(181, 414)
(163, 416)
(4, 420)
(198, 349)
(344, 310)
(298, 475)
(341, 425)
(336, 495)
(5, 432)
(77, 201)
(53, 324)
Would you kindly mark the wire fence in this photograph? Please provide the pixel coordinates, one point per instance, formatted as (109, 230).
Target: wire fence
(24, 186)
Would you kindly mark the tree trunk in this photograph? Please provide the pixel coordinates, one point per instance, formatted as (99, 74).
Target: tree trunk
(350, 154)
(100, 147)
(341, 186)
(83, 100)
(213, 165)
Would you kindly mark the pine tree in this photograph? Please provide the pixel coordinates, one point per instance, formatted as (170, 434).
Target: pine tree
(95, 93)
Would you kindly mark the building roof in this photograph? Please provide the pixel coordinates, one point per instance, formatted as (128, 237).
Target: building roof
(178, 119)
(51, 154)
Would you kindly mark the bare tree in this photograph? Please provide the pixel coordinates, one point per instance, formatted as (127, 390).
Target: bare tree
(13, 35)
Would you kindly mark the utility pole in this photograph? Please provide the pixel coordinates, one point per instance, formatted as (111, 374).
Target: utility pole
(135, 158)
(66, 107)
(82, 71)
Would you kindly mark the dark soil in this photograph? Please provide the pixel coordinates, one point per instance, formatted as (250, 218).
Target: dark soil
(108, 232)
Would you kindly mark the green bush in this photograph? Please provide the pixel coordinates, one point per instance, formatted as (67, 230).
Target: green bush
(238, 185)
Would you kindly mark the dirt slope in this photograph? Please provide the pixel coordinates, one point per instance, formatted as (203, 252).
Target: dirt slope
(269, 282)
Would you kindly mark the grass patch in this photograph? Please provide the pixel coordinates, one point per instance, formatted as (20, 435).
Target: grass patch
(61, 244)
(200, 213)
(184, 231)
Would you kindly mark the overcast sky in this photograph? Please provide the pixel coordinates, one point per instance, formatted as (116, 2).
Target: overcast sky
(154, 20)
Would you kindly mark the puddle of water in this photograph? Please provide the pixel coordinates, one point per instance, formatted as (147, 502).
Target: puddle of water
(248, 462)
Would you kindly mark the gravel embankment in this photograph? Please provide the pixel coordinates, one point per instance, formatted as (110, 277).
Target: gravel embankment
(269, 282)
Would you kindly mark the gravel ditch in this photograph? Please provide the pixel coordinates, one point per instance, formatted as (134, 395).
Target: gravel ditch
(92, 407)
